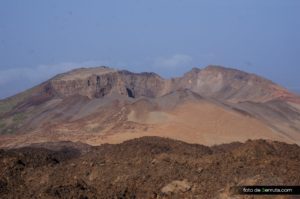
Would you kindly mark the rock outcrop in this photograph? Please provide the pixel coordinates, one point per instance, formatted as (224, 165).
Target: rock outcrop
(105, 81)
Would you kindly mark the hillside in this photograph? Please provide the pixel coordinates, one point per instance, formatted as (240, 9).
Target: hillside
(99, 105)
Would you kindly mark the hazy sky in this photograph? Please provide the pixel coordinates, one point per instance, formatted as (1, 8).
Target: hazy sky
(40, 38)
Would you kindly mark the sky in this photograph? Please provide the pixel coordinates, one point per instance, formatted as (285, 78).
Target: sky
(41, 38)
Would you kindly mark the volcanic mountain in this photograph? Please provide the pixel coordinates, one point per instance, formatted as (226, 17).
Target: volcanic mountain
(213, 105)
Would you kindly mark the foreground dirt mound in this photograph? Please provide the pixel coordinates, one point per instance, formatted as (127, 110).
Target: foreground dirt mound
(148, 167)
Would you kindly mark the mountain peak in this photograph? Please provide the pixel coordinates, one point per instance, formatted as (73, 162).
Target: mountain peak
(213, 81)
(103, 81)
(215, 67)
(83, 73)
(223, 69)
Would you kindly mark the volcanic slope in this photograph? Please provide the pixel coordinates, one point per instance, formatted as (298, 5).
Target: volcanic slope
(102, 105)
(148, 167)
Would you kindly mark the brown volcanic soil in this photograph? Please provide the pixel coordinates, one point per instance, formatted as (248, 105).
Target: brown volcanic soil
(148, 167)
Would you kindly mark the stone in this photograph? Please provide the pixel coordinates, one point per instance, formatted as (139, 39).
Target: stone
(177, 186)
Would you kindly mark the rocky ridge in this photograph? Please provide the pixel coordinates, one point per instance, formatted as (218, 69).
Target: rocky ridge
(213, 81)
(101, 104)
